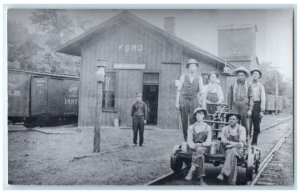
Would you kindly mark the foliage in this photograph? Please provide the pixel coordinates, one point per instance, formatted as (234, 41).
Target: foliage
(54, 24)
(285, 88)
(36, 51)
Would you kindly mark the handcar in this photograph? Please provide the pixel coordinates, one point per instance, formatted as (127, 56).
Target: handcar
(216, 156)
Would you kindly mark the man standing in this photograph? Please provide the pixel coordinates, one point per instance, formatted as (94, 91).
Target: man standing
(233, 140)
(259, 97)
(240, 96)
(189, 94)
(138, 113)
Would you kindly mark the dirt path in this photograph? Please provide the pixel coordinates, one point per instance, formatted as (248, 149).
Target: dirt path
(45, 158)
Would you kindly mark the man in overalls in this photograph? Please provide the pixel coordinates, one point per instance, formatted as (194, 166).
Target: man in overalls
(213, 93)
(259, 97)
(189, 94)
(233, 140)
(240, 98)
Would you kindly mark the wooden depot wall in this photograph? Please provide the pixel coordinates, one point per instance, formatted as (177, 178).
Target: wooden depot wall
(134, 47)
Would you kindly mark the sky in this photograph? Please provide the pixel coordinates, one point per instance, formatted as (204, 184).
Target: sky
(274, 37)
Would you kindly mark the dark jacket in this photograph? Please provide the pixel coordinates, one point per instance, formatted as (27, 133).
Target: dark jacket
(139, 109)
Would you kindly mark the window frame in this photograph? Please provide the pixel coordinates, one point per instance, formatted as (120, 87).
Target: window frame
(105, 92)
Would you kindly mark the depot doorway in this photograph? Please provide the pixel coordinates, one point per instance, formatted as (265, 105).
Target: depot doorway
(150, 96)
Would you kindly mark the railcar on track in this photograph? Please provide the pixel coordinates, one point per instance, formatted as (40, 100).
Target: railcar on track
(250, 160)
(41, 98)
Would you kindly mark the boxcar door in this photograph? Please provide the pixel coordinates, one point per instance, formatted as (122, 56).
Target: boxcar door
(168, 116)
(130, 82)
(39, 96)
(62, 97)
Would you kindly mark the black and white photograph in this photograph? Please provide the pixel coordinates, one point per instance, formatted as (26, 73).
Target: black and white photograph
(195, 98)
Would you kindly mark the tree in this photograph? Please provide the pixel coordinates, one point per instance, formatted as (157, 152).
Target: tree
(54, 24)
(21, 46)
(35, 51)
(269, 78)
(56, 27)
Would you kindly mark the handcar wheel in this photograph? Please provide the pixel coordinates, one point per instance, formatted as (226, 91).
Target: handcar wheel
(250, 168)
(176, 163)
(188, 163)
(257, 160)
(257, 163)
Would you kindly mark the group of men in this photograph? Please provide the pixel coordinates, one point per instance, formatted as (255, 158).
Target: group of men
(245, 99)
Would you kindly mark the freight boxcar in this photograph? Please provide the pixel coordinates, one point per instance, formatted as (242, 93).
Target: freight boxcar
(41, 98)
(272, 105)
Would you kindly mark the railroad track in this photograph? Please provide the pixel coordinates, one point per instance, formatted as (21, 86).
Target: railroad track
(269, 157)
(172, 175)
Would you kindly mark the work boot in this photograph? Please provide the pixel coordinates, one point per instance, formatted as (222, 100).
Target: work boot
(189, 176)
(220, 177)
(254, 140)
(254, 143)
(202, 182)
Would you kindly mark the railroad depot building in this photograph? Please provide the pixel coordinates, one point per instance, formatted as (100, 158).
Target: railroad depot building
(139, 57)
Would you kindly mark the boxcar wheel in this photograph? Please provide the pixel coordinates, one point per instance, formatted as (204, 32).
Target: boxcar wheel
(176, 163)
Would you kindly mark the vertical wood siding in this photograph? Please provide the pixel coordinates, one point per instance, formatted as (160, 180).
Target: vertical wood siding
(156, 50)
(168, 116)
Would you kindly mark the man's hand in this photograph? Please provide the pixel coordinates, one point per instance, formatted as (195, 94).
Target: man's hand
(199, 144)
(145, 121)
(249, 113)
(192, 145)
(261, 114)
(229, 146)
(233, 145)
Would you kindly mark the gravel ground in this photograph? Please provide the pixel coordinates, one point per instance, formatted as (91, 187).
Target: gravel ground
(280, 170)
(45, 156)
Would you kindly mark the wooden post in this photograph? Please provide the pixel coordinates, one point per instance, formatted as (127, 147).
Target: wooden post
(97, 127)
(276, 93)
(100, 78)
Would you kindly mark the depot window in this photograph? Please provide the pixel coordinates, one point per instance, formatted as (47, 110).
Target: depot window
(109, 91)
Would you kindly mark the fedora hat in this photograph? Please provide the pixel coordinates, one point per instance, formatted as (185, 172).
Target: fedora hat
(233, 113)
(192, 61)
(241, 69)
(199, 109)
(256, 69)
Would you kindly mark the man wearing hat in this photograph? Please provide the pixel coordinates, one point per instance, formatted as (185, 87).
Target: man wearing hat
(233, 140)
(259, 98)
(240, 96)
(189, 94)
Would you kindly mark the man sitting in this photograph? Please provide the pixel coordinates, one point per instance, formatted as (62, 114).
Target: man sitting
(198, 140)
(233, 140)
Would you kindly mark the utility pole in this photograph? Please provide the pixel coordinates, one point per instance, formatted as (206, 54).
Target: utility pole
(276, 93)
(276, 89)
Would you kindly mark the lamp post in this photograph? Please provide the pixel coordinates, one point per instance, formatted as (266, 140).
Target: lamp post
(227, 74)
(225, 69)
(100, 78)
